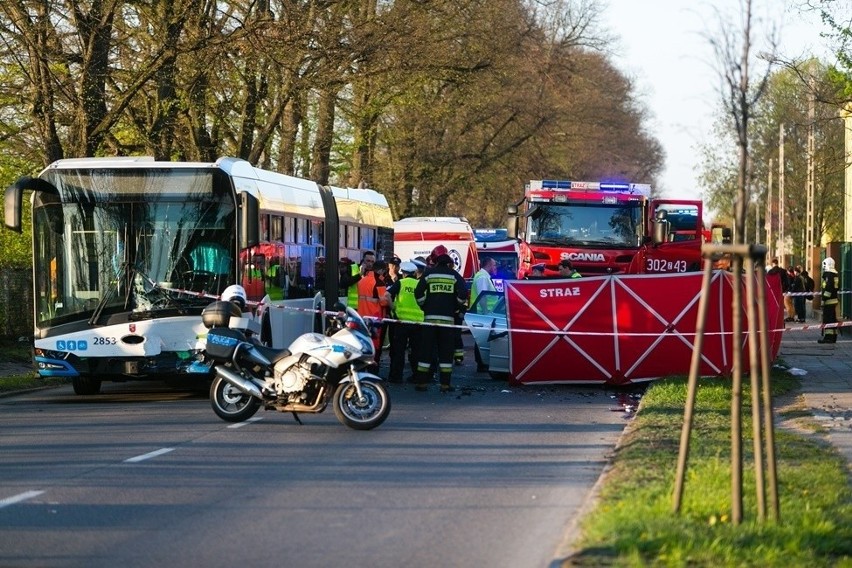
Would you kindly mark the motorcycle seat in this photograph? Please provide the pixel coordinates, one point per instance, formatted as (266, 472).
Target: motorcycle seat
(274, 355)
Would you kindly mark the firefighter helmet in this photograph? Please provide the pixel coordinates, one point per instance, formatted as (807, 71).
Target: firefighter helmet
(439, 250)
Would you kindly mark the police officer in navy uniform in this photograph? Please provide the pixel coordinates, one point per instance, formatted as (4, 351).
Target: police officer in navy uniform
(442, 294)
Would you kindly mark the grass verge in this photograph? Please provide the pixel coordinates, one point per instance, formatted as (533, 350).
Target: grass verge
(20, 353)
(28, 381)
(633, 523)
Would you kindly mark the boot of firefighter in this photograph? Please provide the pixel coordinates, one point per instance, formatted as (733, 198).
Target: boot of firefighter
(422, 375)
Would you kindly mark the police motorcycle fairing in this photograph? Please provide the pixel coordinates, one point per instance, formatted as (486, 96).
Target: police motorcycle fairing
(316, 369)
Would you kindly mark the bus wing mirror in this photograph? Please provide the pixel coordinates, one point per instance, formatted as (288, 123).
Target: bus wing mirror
(249, 215)
(14, 198)
(12, 204)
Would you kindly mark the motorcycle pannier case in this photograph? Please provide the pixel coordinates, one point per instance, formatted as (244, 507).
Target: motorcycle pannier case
(218, 314)
(222, 342)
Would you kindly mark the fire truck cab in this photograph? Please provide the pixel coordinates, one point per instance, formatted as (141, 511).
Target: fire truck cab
(606, 228)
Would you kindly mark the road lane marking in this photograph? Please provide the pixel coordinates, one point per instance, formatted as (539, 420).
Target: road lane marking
(249, 421)
(18, 498)
(149, 455)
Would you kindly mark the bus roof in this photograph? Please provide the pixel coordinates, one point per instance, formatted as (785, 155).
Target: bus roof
(430, 224)
(275, 191)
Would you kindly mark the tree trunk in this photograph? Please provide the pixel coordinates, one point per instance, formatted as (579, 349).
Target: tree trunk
(320, 166)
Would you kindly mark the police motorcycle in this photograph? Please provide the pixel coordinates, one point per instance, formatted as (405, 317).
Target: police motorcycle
(316, 369)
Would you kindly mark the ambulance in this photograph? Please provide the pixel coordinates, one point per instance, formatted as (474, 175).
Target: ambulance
(496, 244)
(417, 236)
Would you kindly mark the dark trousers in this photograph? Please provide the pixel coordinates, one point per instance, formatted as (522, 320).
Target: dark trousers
(829, 315)
(458, 349)
(379, 341)
(405, 338)
(436, 339)
(799, 305)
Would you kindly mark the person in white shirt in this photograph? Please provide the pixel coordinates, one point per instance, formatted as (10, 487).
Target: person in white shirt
(482, 280)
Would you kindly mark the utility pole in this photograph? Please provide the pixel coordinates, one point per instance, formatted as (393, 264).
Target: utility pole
(809, 223)
(769, 211)
(781, 243)
(846, 113)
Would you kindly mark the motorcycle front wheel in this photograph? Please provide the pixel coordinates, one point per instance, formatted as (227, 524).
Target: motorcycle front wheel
(229, 403)
(361, 413)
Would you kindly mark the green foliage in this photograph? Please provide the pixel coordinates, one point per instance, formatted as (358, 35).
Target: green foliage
(442, 105)
(784, 103)
(634, 524)
(835, 16)
(16, 247)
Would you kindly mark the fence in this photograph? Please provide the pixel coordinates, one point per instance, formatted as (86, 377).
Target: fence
(16, 302)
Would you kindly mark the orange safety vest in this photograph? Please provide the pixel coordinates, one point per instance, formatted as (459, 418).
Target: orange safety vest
(368, 304)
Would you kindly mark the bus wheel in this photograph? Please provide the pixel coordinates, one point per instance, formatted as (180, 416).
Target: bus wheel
(86, 385)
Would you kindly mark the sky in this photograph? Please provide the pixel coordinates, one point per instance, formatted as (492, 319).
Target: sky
(663, 45)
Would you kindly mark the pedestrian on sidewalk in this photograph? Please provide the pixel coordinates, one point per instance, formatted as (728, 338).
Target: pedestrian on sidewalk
(789, 309)
(785, 284)
(797, 288)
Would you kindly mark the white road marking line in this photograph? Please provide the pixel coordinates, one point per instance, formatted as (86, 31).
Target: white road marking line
(241, 424)
(149, 455)
(18, 498)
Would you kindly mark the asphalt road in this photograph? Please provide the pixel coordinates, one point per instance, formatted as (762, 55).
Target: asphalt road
(146, 475)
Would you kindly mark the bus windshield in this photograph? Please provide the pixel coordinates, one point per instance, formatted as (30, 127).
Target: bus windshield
(601, 225)
(123, 240)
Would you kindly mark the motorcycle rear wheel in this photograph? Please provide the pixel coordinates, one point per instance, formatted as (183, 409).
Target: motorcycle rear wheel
(231, 404)
(361, 414)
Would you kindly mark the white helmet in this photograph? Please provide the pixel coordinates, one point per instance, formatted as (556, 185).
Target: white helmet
(236, 294)
(828, 264)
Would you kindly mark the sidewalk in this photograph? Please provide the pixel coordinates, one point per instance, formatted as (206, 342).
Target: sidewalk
(827, 384)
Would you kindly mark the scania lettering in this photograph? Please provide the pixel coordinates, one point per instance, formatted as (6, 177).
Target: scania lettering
(605, 228)
(584, 256)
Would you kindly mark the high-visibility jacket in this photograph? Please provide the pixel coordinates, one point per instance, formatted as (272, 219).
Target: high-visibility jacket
(352, 292)
(829, 288)
(481, 283)
(367, 302)
(441, 292)
(406, 306)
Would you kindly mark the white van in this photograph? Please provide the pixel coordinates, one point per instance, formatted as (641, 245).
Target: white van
(417, 236)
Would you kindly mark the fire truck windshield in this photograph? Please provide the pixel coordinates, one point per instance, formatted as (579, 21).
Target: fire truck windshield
(571, 224)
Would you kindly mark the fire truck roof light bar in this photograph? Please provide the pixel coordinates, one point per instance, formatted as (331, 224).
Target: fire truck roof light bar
(552, 184)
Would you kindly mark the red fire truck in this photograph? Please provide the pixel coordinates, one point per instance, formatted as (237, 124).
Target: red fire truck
(606, 228)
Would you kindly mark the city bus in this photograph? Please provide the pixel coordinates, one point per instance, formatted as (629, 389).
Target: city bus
(128, 251)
